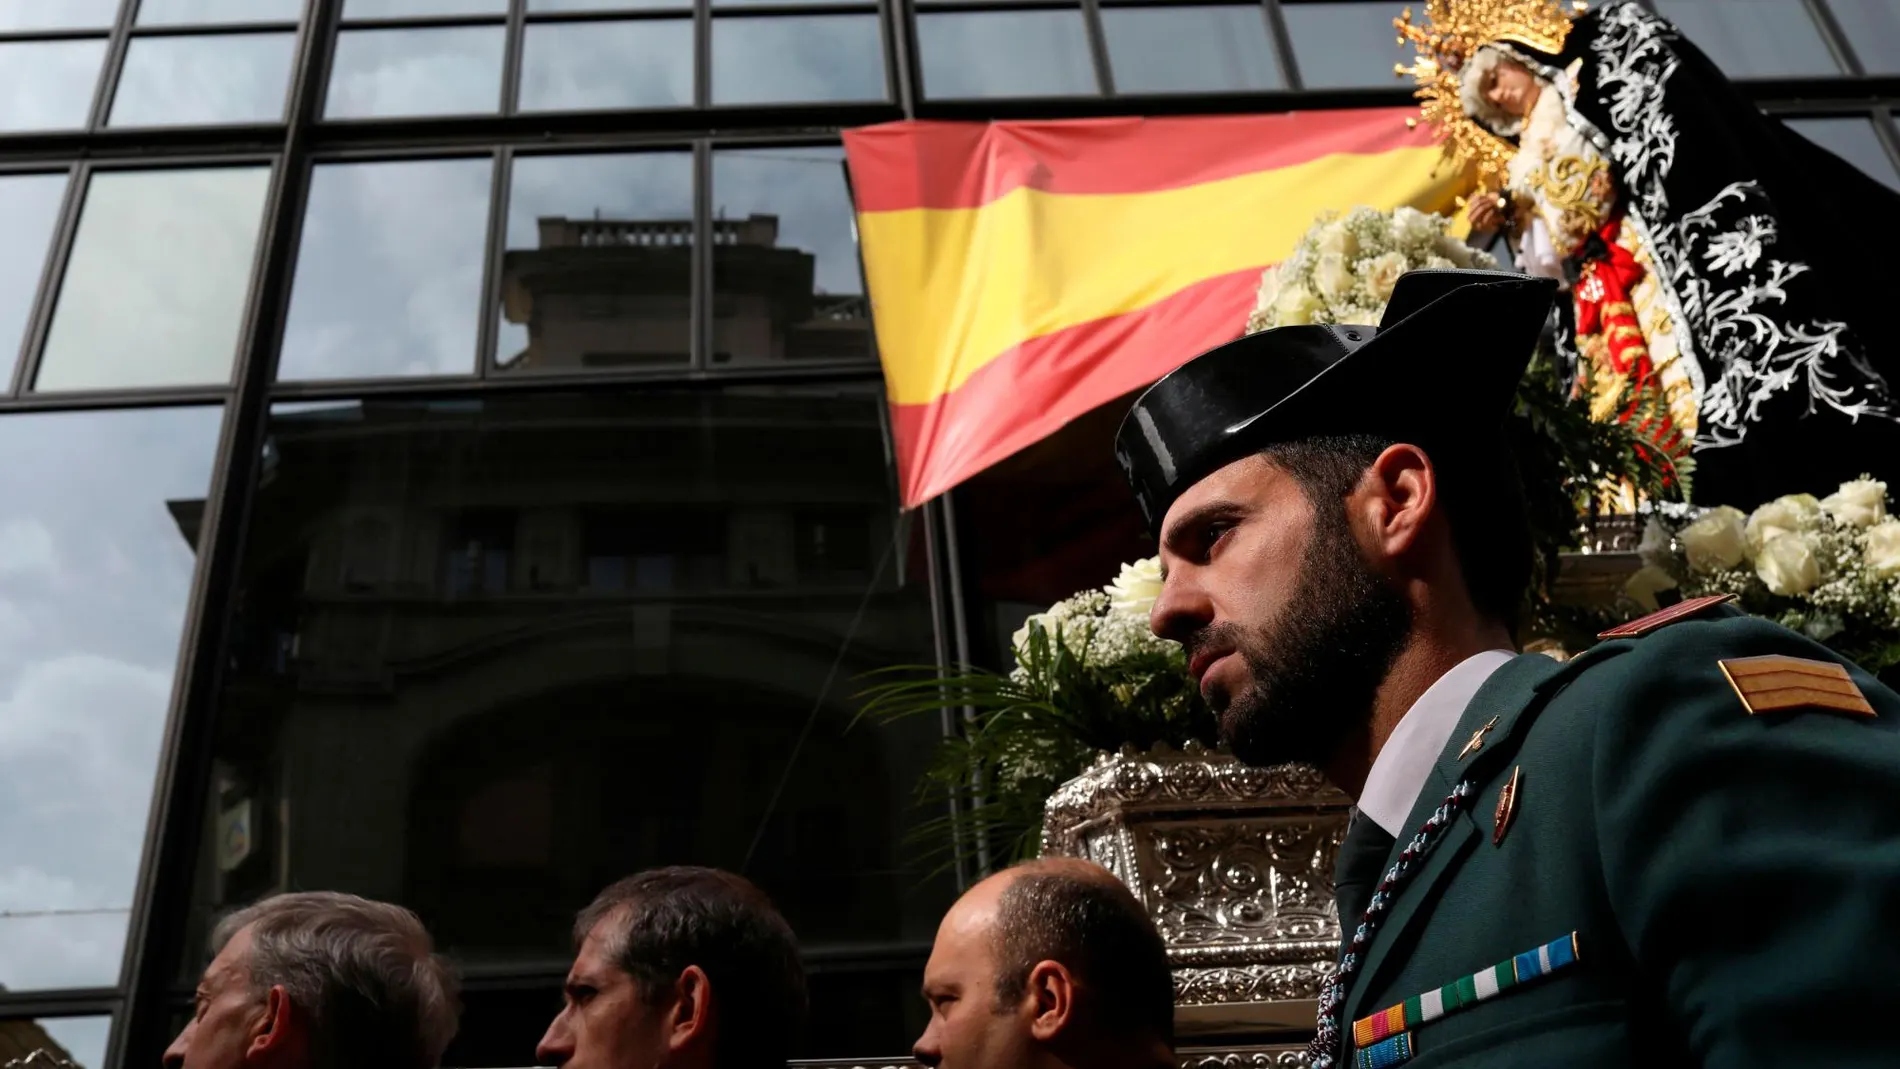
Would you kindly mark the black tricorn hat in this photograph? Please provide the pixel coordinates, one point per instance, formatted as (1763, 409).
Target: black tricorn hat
(1440, 369)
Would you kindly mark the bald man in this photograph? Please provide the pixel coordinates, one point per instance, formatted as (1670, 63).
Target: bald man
(1048, 965)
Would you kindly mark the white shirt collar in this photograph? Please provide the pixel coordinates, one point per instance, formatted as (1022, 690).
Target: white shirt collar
(1406, 760)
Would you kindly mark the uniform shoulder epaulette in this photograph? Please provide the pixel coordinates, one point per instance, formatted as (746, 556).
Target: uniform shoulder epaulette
(1681, 610)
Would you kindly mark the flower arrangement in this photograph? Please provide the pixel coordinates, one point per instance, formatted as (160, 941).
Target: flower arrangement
(1088, 676)
(1344, 267)
(1827, 567)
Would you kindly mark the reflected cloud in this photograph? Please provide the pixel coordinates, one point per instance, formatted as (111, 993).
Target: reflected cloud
(128, 315)
(1005, 53)
(572, 66)
(772, 60)
(48, 85)
(186, 12)
(223, 79)
(57, 14)
(389, 73)
(389, 275)
(93, 562)
(29, 208)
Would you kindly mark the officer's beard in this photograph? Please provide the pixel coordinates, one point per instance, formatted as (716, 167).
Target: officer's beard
(1316, 668)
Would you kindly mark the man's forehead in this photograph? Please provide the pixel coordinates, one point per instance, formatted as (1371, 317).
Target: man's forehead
(1251, 479)
(232, 961)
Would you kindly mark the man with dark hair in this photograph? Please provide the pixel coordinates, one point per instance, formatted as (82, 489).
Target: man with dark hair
(679, 968)
(1049, 964)
(319, 980)
(1675, 848)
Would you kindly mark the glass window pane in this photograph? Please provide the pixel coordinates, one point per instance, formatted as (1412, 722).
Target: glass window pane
(539, 6)
(98, 543)
(786, 287)
(1183, 49)
(237, 77)
(1853, 140)
(389, 278)
(581, 65)
(498, 607)
(1753, 38)
(29, 210)
(191, 12)
(132, 311)
(1873, 32)
(48, 85)
(383, 73)
(399, 9)
(1340, 46)
(598, 268)
(818, 58)
(1005, 53)
(79, 1040)
(57, 14)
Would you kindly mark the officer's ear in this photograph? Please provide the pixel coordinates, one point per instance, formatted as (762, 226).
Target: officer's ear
(1051, 989)
(1396, 498)
(278, 1027)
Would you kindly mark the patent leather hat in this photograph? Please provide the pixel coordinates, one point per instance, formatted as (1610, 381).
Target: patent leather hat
(1440, 370)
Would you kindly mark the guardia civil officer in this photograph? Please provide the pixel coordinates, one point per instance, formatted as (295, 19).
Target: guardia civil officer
(1681, 847)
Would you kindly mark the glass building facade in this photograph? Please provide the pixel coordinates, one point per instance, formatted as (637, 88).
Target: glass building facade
(449, 462)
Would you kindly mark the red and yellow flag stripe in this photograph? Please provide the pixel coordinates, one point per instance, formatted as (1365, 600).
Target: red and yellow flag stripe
(1022, 273)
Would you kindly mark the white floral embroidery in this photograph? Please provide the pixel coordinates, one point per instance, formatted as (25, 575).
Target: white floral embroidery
(1719, 259)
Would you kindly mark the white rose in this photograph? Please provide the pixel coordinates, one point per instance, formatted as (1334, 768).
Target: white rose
(1020, 640)
(1861, 503)
(1134, 591)
(1715, 541)
(1784, 515)
(1643, 586)
(1333, 277)
(1413, 227)
(1296, 306)
(1382, 274)
(1336, 239)
(1269, 288)
(1787, 565)
(1881, 548)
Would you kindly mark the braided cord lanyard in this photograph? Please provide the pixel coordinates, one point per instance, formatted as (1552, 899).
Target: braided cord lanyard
(1325, 1049)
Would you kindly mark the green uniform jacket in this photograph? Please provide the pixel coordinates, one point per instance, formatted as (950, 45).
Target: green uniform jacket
(1733, 879)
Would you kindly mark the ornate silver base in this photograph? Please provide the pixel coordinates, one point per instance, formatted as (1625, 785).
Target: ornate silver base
(1235, 866)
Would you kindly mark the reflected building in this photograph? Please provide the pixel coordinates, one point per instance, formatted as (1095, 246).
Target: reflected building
(492, 656)
(616, 293)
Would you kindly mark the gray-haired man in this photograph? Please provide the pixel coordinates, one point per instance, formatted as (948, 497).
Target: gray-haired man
(319, 981)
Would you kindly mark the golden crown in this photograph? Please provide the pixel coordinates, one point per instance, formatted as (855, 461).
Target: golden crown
(1452, 31)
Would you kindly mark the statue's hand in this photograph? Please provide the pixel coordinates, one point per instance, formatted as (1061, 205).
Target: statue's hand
(1486, 212)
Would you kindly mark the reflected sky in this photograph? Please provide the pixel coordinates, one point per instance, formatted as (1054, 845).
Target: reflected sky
(390, 9)
(227, 78)
(582, 65)
(1345, 45)
(48, 85)
(94, 579)
(1853, 140)
(1753, 38)
(1005, 53)
(56, 14)
(389, 275)
(1188, 49)
(644, 186)
(178, 12)
(1872, 28)
(128, 315)
(811, 59)
(29, 209)
(84, 1038)
(388, 73)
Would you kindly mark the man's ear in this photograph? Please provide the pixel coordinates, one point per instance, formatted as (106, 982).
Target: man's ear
(1394, 500)
(278, 1027)
(690, 1019)
(1051, 989)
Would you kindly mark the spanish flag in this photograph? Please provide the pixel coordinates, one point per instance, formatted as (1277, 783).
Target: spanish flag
(1022, 273)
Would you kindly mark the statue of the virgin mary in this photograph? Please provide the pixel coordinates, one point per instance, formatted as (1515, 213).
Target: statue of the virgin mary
(1721, 292)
